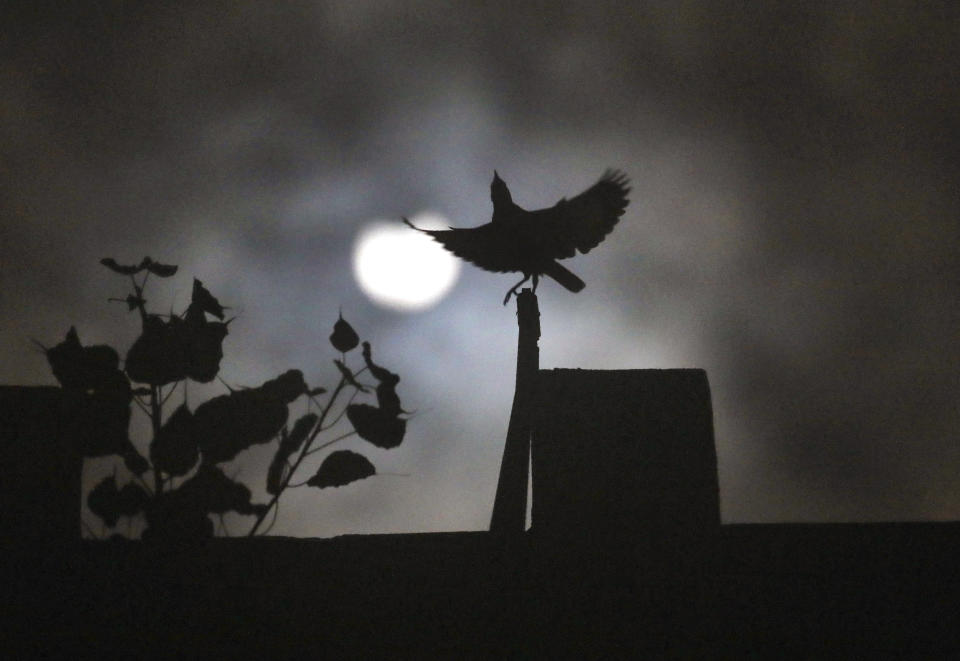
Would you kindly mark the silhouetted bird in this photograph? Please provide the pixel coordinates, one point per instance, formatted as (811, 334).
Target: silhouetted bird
(531, 242)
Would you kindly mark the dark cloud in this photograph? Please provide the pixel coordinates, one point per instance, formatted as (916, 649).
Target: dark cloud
(793, 226)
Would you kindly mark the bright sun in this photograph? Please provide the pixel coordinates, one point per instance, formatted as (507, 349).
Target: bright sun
(403, 269)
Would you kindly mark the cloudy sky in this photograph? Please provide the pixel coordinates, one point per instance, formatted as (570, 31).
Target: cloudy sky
(793, 227)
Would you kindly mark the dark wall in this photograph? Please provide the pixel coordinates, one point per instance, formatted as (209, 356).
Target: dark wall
(625, 457)
(41, 468)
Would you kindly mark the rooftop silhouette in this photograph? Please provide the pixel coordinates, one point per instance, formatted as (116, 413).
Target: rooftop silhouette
(625, 556)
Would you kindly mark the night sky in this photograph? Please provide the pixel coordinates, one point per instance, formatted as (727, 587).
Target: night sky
(793, 226)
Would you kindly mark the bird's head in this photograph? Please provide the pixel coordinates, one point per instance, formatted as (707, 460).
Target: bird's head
(499, 193)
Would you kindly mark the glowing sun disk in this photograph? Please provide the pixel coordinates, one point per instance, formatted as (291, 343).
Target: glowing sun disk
(400, 268)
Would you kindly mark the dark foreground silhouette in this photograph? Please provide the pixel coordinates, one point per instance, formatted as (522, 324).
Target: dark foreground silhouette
(177, 485)
(626, 556)
(531, 242)
(625, 559)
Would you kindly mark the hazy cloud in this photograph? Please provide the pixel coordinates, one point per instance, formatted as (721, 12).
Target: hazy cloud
(793, 225)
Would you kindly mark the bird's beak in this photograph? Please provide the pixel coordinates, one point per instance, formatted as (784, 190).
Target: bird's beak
(496, 177)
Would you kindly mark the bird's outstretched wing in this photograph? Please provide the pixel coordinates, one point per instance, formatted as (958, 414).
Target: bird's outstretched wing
(582, 222)
(486, 246)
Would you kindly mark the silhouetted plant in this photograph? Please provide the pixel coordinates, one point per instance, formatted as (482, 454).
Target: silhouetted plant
(188, 445)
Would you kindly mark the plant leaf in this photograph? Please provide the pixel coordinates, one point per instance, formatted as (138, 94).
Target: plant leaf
(174, 449)
(103, 500)
(286, 387)
(387, 397)
(343, 338)
(132, 499)
(289, 443)
(122, 269)
(203, 345)
(226, 425)
(301, 428)
(77, 367)
(65, 359)
(216, 493)
(275, 474)
(158, 269)
(99, 396)
(340, 468)
(348, 376)
(173, 350)
(203, 300)
(110, 503)
(376, 425)
(158, 356)
(135, 462)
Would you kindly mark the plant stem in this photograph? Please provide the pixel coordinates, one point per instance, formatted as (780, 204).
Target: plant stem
(331, 442)
(303, 453)
(138, 292)
(155, 423)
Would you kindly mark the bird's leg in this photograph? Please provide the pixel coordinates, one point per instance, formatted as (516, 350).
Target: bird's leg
(536, 279)
(513, 290)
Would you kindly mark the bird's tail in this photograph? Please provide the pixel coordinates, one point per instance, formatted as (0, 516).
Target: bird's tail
(565, 277)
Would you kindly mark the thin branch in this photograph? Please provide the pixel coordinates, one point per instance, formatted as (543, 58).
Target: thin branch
(143, 407)
(143, 483)
(138, 292)
(299, 484)
(276, 514)
(303, 453)
(89, 529)
(169, 393)
(156, 417)
(342, 412)
(329, 443)
(312, 399)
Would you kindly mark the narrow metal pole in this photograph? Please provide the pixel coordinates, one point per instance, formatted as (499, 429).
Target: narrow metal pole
(510, 505)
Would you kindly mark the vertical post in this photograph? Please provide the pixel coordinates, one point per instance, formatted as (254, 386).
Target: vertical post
(510, 505)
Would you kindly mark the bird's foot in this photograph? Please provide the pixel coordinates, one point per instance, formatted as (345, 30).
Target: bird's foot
(513, 290)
